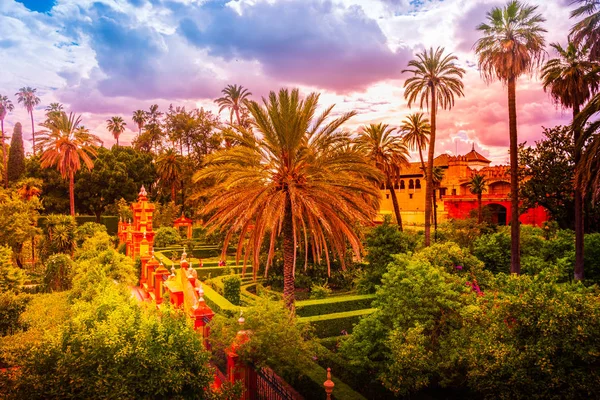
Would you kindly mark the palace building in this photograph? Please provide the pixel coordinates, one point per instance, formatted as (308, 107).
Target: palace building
(453, 198)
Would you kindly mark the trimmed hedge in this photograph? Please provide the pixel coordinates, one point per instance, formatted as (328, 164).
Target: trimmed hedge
(220, 304)
(309, 308)
(310, 385)
(333, 324)
(111, 222)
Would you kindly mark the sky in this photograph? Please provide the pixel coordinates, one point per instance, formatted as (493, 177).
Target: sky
(102, 58)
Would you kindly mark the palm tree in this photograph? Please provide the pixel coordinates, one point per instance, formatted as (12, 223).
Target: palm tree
(28, 98)
(477, 185)
(169, 166)
(572, 79)
(512, 45)
(116, 126)
(416, 130)
(387, 152)
(140, 117)
(436, 80)
(300, 180)
(65, 146)
(586, 32)
(52, 109)
(234, 99)
(6, 106)
(437, 177)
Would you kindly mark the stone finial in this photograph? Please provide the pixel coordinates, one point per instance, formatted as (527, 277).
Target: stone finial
(201, 292)
(328, 384)
(172, 270)
(143, 192)
(241, 319)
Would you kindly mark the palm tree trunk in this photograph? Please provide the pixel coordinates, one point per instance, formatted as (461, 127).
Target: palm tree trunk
(515, 229)
(288, 257)
(117, 140)
(32, 133)
(395, 203)
(479, 213)
(422, 162)
(434, 216)
(72, 192)
(429, 172)
(579, 220)
(173, 192)
(237, 115)
(4, 158)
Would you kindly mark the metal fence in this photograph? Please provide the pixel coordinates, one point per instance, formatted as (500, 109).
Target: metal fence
(269, 386)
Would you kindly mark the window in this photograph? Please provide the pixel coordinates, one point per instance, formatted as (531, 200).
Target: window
(453, 192)
(442, 192)
(387, 196)
(410, 195)
(411, 184)
(396, 185)
(402, 186)
(418, 184)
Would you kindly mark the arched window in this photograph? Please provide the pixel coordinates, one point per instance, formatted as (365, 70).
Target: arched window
(402, 186)
(453, 192)
(411, 184)
(418, 184)
(396, 185)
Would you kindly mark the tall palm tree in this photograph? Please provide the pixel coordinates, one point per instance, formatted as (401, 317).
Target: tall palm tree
(586, 32)
(169, 166)
(416, 130)
(300, 180)
(572, 79)
(116, 126)
(140, 117)
(65, 145)
(436, 80)
(512, 45)
(387, 152)
(477, 185)
(234, 98)
(53, 108)
(437, 176)
(29, 99)
(6, 106)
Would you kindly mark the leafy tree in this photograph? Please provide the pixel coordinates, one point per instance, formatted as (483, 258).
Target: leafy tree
(60, 235)
(477, 185)
(140, 117)
(493, 250)
(53, 186)
(572, 79)
(165, 215)
(6, 106)
(29, 188)
(18, 219)
(87, 231)
(16, 155)
(389, 154)
(166, 236)
(27, 96)
(234, 99)
(547, 172)
(436, 80)
(59, 273)
(116, 126)
(512, 45)
(11, 277)
(169, 166)
(416, 130)
(300, 177)
(66, 145)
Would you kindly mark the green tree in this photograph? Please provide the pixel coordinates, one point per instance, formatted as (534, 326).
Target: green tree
(59, 235)
(27, 96)
(436, 80)
(59, 273)
(234, 100)
(16, 155)
(53, 186)
(300, 177)
(169, 166)
(140, 117)
(65, 146)
(388, 153)
(11, 277)
(18, 219)
(116, 126)
(6, 106)
(572, 79)
(512, 45)
(416, 129)
(53, 110)
(478, 185)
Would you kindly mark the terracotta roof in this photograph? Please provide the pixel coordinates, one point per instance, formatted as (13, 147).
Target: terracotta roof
(475, 156)
(414, 168)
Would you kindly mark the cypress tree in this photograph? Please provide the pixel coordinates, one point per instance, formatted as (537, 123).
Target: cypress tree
(16, 154)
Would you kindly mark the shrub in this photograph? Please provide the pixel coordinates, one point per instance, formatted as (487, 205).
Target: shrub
(87, 230)
(94, 245)
(451, 257)
(166, 236)
(337, 304)
(592, 257)
(494, 251)
(11, 277)
(60, 235)
(319, 291)
(59, 273)
(231, 289)
(336, 324)
(11, 307)
(462, 231)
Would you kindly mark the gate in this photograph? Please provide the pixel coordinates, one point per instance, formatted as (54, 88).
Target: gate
(269, 386)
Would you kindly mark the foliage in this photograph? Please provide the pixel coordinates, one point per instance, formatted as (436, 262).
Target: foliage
(462, 231)
(60, 235)
(11, 307)
(86, 231)
(166, 236)
(18, 219)
(92, 246)
(53, 186)
(59, 273)
(11, 277)
(337, 304)
(336, 324)
(103, 349)
(16, 154)
(319, 291)
(277, 339)
(165, 215)
(381, 244)
(231, 289)
(592, 257)
(452, 258)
